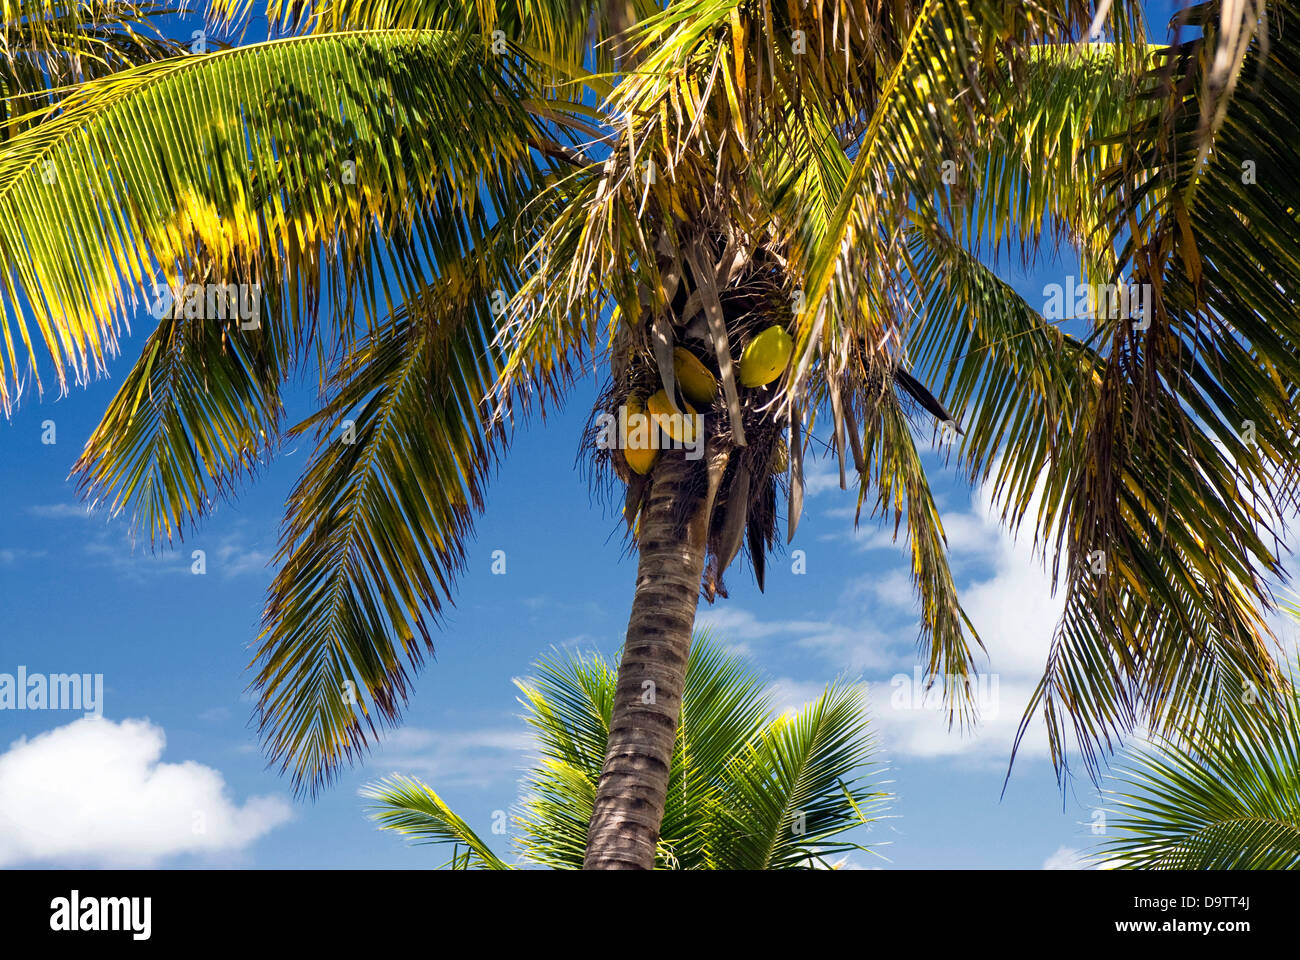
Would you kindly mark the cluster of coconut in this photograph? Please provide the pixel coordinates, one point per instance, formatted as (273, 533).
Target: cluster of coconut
(764, 359)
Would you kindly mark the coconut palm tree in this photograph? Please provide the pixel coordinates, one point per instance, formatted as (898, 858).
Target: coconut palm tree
(748, 790)
(448, 211)
(1228, 800)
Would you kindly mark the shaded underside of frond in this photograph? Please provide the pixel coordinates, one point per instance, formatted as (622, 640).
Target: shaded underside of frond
(1187, 461)
(375, 529)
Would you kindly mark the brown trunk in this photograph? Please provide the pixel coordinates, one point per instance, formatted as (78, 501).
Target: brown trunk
(629, 805)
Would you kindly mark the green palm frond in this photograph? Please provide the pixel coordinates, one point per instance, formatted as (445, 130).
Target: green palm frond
(375, 528)
(747, 790)
(564, 33)
(793, 792)
(894, 476)
(1141, 552)
(47, 44)
(299, 156)
(932, 110)
(1019, 385)
(724, 707)
(200, 411)
(410, 808)
(1227, 800)
(569, 705)
(1061, 118)
(1189, 535)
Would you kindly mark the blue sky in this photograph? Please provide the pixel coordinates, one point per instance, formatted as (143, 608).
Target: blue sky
(172, 776)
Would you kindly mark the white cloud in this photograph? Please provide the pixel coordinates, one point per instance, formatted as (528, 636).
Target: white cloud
(870, 533)
(823, 473)
(972, 533)
(61, 511)
(1066, 858)
(1005, 590)
(485, 757)
(851, 648)
(893, 589)
(733, 623)
(234, 558)
(791, 696)
(227, 556)
(1013, 609)
(96, 791)
(913, 724)
(1010, 603)
(9, 556)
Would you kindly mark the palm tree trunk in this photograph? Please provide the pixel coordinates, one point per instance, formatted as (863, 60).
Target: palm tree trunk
(633, 787)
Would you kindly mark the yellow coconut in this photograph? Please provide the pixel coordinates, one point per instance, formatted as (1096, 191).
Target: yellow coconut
(680, 428)
(698, 384)
(780, 462)
(638, 439)
(766, 357)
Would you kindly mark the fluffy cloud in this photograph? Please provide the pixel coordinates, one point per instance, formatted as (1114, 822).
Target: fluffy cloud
(733, 623)
(1007, 593)
(821, 474)
(914, 725)
(1004, 588)
(791, 696)
(96, 791)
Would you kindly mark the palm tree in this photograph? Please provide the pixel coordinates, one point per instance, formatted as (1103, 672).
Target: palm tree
(1229, 801)
(748, 790)
(449, 210)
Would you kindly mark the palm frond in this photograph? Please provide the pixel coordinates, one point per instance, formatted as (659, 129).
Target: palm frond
(198, 412)
(410, 808)
(793, 791)
(49, 45)
(1189, 536)
(894, 476)
(317, 148)
(1230, 800)
(747, 790)
(376, 526)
